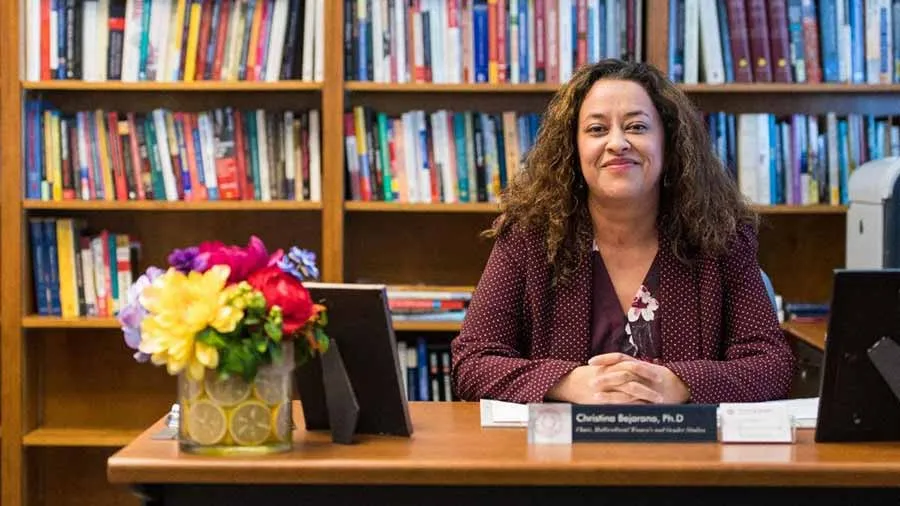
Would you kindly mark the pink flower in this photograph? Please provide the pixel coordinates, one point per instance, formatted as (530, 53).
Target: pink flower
(242, 261)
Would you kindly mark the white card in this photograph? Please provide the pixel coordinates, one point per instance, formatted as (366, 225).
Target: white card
(749, 423)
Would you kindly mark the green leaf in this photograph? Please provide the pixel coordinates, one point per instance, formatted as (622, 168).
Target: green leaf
(322, 340)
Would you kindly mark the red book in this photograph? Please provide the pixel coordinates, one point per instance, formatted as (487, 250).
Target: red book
(220, 40)
(239, 147)
(811, 46)
(740, 43)
(758, 29)
(205, 22)
(781, 44)
(581, 33)
(136, 162)
(501, 42)
(116, 156)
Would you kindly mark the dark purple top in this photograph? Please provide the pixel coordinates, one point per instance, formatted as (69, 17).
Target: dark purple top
(636, 332)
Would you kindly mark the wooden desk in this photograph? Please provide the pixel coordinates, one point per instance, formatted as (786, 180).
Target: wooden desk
(812, 333)
(452, 460)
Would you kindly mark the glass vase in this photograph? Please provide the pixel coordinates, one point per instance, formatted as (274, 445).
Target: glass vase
(237, 417)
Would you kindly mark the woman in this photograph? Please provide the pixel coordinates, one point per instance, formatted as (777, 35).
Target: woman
(624, 268)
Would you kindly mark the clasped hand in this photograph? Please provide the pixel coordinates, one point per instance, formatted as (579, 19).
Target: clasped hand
(617, 378)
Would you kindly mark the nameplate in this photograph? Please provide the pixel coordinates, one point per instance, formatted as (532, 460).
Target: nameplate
(551, 423)
(748, 423)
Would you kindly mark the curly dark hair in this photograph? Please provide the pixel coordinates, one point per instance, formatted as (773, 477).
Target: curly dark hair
(700, 205)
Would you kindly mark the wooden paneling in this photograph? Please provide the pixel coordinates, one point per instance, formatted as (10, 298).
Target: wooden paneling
(73, 477)
(411, 249)
(800, 252)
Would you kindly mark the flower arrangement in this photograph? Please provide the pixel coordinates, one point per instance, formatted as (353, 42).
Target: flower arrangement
(225, 308)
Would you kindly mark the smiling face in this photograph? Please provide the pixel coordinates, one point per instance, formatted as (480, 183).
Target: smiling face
(620, 142)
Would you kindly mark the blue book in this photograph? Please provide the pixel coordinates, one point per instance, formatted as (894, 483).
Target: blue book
(856, 17)
(52, 258)
(523, 41)
(843, 160)
(479, 34)
(422, 366)
(725, 34)
(39, 266)
(795, 33)
(828, 33)
(462, 161)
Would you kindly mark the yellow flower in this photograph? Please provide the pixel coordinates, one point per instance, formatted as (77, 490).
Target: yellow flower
(179, 307)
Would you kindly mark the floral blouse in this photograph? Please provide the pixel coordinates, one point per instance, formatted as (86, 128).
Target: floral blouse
(636, 332)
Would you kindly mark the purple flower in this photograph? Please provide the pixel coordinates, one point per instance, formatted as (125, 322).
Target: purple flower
(187, 260)
(299, 263)
(131, 316)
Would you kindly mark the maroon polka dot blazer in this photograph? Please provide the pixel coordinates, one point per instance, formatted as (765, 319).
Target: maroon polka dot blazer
(719, 332)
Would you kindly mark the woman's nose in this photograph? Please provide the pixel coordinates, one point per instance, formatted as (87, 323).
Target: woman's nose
(617, 141)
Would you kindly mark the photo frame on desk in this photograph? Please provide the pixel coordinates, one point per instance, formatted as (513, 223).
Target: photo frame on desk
(856, 401)
(359, 323)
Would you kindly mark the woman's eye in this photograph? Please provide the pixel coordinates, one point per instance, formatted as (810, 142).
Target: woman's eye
(596, 129)
(638, 127)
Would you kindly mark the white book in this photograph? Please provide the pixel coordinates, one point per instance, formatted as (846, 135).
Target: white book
(33, 37)
(764, 161)
(352, 162)
(315, 157)
(565, 40)
(612, 29)
(262, 143)
(639, 31)
(88, 277)
(409, 155)
(157, 42)
(235, 39)
(378, 70)
(434, 25)
(711, 43)
(319, 46)
(448, 179)
(398, 38)
(811, 190)
(309, 18)
(594, 21)
(843, 39)
(873, 40)
(208, 154)
(131, 44)
(691, 41)
(280, 15)
(53, 29)
(102, 39)
(886, 42)
(453, 45)
(787, 149)
(89, 44)
(165, 158)
(748, 149)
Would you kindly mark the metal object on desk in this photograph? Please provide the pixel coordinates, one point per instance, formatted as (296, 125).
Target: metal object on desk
(173, 422)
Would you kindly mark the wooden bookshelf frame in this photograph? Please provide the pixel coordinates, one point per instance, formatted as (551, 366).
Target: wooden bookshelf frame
(410, 244)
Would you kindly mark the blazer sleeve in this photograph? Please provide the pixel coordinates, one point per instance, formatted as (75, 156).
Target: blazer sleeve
(489, 354)
(758, 362)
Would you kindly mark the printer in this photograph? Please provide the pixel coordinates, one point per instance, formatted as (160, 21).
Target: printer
(873, 216)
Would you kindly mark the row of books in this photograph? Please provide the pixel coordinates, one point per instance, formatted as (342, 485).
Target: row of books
(223, 154)
(174, 40)
(832, 41)
(440, 156)
(427, 368)
(76, 273)
(486, 41)
(428, 305)
(800, 159)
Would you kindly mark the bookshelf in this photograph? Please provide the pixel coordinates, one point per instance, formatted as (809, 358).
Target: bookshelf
(69, 387)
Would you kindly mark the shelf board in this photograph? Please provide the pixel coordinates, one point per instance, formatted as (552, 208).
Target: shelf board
(782, 88)
(764, 88)
(162, 205)
(486, 207)
(47, 436)
(56, 322)
(196, 86)
(808, 209)
(812, 333)
(432, 326)
(401, 207)
(366, 86)
(53, 322)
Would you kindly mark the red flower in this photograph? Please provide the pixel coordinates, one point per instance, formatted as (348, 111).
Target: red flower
(287, 292)
(242, 261)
